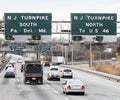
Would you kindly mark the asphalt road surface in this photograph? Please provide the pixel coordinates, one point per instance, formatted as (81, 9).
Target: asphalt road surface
(97, 88)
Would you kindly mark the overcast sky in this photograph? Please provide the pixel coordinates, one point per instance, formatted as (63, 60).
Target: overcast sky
(60, 9)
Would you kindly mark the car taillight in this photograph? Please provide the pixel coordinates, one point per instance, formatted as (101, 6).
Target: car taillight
(58, 76)
(12, 73)
(68, 87)
(83, 87)
(50, 75)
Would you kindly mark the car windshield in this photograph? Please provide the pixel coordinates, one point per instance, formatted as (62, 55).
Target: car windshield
(54, 72)
(47, 63)
(74, 82)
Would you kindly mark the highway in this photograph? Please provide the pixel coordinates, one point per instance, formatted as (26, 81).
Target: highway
(97, 88)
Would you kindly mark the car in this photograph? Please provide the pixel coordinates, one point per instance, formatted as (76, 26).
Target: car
(19, 60)
(12, 64)
(9, 66)
(114, 59)
(73, 86)
(9, 73)
(53, 75)
(67, 72)
(54, 67)
(47, 64)
(22, 68)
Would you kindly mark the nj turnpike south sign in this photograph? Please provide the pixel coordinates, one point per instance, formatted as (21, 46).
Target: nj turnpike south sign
(28, 23)
(82, 24)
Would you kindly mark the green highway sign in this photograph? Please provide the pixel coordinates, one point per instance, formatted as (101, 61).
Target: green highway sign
(42, 48)
(15, 47)
(35, 37)
(28, 23)
(7, 37)
(77, 38)
(93, 24)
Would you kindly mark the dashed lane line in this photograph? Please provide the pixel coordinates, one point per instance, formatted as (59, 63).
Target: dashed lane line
(66, 98)
(56, 91)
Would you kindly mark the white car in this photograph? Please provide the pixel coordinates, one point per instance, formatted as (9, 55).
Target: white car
(9, 72)
(19, 60)
(73, 86)
(66, 72)
(114, 59)
(53, 74)
(54, 67)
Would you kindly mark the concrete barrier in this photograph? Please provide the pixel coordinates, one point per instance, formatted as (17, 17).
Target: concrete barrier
(109, 76)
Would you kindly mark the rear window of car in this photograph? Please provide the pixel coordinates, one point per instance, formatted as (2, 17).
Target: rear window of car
(54, 69)
(47, 64)
(74, 82)
(67, 70)
(54, 72)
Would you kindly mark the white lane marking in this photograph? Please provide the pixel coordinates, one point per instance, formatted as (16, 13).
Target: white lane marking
(55, 91)
(47, 85)
(52, 89)
(18, 81)
(66, 98)
(19, 85)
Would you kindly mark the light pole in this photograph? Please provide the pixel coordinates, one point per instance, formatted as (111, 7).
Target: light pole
(71, 44)
(90, 63)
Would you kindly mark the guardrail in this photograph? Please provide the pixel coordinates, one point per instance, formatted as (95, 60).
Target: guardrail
(3, 64)
(109, 76)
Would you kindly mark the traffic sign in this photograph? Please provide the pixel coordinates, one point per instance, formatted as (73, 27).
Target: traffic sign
(42, 48)
(93, 24)
(28, 23)
(9, 37)
(77, 38)
(36, 37)
(15, 47)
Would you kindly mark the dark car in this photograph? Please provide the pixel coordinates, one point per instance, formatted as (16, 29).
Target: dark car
(53, 75)
(47, 64)
(22, 67)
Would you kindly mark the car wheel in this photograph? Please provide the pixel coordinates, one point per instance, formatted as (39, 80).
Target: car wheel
(48, 79)
(83, 93)
(66, 93)
(63, 91)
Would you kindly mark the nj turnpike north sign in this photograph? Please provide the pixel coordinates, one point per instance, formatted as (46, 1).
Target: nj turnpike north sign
(93, 24)
(28, 23)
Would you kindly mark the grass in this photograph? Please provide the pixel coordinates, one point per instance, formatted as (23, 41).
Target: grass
(108, 67)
